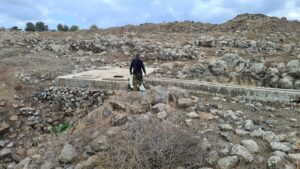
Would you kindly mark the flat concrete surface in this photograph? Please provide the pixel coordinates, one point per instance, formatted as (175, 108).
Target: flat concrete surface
(117, 79)
(104, 74)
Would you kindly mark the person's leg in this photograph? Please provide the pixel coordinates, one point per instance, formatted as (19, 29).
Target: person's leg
(135, 83)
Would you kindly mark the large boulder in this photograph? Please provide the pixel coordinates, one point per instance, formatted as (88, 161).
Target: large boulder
(228, 162)
(297, 84)
(158, 94)
(294, 68)
(242, 152)
(286, 82)
(251, 145)
(258, 68)
(67, 154)
(218, 67)
(184, 103)
(233, 60)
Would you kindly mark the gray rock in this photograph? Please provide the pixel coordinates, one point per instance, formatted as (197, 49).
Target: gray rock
(48, 165)
(297, 84)
(281, 67)
(24, 164)
(294, 158)
(231, 59)
(257, 133)
(6, 152)
(251, 145)
(120, 119)
(184, 103)
(3, 143)
(4, 127)
(193, 115)
(67, 154)
(249, 125)
(293, 67)
(275, 162)
(218, 68)
(228, 162)
(158, 94)
(162, 115)
(258, 68)
(3, 110)
(225, 127)
(213, 157)
(286, 82)
(279, 146)
(241, 132)
(159, 107)
(99, 144)
(279, 154)
(269, 136)
(241, 151)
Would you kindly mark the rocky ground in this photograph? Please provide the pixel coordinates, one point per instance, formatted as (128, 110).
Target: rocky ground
(160, 128)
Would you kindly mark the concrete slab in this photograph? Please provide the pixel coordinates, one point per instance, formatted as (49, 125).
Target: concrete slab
(116, 79)
(104, 74)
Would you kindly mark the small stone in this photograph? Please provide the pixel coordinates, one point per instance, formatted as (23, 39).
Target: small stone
(279, 146)
(241, 132)
(158, 107)
(100, 143)
(269, 136)
(13, 118)
(294, 158)
(241, 151)
(225, 127)
(189, 122)
(91, 162)
(48, 165)
(279, 154)
(67, 154)
(5, 153)
(213, 157)
(162, 115)
(184, 103)
(119, 119)
(4, 128)
(205, 116)
(249, 125)
(250, 145)
(257, 133)
(3, 143)
(228, 162)
(3, 110)
(193, 115)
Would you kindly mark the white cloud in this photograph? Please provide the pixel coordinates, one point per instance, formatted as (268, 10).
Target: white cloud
(176, 14)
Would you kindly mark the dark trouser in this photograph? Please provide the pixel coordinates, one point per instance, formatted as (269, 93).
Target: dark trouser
(137, 81)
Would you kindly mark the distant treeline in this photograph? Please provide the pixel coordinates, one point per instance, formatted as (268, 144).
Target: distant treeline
(41, 26)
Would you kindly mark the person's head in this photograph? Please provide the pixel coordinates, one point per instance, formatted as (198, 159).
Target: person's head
(138, 55)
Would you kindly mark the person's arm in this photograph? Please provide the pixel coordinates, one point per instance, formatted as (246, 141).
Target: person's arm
(143, 67)
(130, 69)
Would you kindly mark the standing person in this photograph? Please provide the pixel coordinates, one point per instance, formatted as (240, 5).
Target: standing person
(138, 66)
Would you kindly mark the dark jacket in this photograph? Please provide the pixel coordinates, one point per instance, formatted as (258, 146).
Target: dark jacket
(137, 65)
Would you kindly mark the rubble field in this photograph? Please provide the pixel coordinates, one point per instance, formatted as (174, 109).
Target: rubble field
(46, 126)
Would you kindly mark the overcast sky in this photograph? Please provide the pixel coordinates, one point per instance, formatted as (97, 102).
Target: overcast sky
(107, 13)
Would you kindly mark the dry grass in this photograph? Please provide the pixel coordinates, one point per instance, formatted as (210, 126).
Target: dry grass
(153, 144)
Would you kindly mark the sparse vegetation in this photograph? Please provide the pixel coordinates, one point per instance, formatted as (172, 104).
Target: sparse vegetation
(148, 145)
